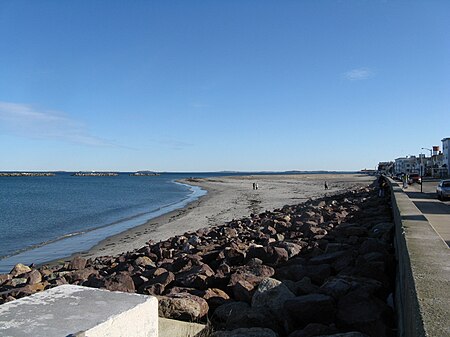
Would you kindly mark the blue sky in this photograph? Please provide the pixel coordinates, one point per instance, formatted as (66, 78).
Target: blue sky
(221, 85)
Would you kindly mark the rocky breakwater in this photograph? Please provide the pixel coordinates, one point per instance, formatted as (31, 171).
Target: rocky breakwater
(322, 268)
(95, 174)
(26, 174)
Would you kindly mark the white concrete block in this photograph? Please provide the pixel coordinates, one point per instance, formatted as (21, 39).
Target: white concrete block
(74, 310)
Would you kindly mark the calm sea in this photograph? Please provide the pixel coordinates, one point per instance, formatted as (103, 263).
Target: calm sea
(45, 218)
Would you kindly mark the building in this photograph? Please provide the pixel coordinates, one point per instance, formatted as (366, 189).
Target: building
(386, 167)
(407, 165)
(446, 154)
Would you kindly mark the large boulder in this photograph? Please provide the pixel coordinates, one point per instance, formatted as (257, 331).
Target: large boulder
(196, 277)
(234, 315)
(214, 296)
(19, 269)
(157, 285)
(245, 278)
(34, 277)
(313, 308)
(120, 282)
(77, 263)
(269, 299)
(144, 262)
(182, 306)
(361, 311)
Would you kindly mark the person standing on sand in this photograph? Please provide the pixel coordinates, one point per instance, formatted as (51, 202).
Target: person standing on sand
(326, 185)
(254, 186)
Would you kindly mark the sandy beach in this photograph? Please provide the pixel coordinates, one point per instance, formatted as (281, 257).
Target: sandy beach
(228, 198)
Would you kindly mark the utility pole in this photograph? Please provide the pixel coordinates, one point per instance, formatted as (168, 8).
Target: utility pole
(422, 168)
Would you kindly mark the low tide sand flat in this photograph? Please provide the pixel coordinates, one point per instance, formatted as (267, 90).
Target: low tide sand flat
(229, 198)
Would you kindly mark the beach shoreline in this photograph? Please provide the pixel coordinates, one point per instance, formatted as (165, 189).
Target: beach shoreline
(227, 198)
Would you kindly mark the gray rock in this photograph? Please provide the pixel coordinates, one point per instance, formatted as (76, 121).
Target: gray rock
(17, 281)
(269, 299)
(271, 295)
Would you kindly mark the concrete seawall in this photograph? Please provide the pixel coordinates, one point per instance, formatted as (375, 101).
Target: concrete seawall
(423, 276)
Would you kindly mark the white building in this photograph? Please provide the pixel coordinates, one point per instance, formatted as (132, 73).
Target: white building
(446, 153)
(406, 165)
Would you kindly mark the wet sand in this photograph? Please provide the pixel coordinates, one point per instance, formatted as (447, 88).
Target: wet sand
(229, 198)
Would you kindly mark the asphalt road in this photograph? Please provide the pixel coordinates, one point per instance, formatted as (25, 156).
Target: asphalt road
(437, 212)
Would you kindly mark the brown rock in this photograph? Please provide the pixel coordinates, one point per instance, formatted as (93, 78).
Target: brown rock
(253, 274)
(182, 306)
(80, 274)
(120, 282)
(234, 254)
(196, 277)
(4, 278)
(279, 255)
(144, 261)
(158, 284)
(32, 288)
(34, 277)
(77, 263)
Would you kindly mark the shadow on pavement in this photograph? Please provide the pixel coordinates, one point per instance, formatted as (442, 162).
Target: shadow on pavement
(414, 217)
(420, 195)
(432, 207)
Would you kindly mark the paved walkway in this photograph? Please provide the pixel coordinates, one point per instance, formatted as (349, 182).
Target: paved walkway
(437, 212)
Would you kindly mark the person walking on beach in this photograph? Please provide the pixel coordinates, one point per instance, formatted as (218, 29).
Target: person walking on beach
(254, 186)
(326, 185)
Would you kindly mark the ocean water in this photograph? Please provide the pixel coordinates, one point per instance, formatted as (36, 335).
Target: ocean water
(45, 218)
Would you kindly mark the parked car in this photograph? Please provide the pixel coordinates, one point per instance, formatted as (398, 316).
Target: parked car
(415, 178)
(443, 189)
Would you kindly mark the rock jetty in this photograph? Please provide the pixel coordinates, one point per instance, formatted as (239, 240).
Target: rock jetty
(144, 174)
(325, 267)
(26, 174)
(95, 174)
